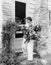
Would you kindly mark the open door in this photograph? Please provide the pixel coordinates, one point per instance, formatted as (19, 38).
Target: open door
(20, 13)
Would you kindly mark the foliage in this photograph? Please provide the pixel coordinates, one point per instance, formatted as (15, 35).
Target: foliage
(8, 56)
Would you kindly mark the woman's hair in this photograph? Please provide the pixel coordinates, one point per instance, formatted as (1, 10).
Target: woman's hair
(29, 18)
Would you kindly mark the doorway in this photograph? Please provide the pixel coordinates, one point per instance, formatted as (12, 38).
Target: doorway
(20, 14)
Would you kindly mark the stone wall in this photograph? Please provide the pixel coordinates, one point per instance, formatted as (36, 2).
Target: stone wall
(33, 9)
(1, 21)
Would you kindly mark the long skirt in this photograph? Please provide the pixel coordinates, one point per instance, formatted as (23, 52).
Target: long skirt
(30, 50)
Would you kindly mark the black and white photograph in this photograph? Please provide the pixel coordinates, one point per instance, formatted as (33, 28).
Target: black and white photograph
(25, 32)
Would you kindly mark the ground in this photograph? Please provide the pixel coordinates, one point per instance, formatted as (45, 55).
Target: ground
(23, 60)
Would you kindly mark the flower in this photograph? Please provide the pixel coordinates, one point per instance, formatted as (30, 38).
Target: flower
(30, 33)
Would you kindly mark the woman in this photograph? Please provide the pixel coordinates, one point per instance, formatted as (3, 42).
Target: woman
(27, 45)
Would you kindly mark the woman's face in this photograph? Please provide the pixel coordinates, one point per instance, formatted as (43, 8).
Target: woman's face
(28, 22)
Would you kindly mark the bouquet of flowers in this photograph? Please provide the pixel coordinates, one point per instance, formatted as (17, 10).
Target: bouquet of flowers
(30, 33)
